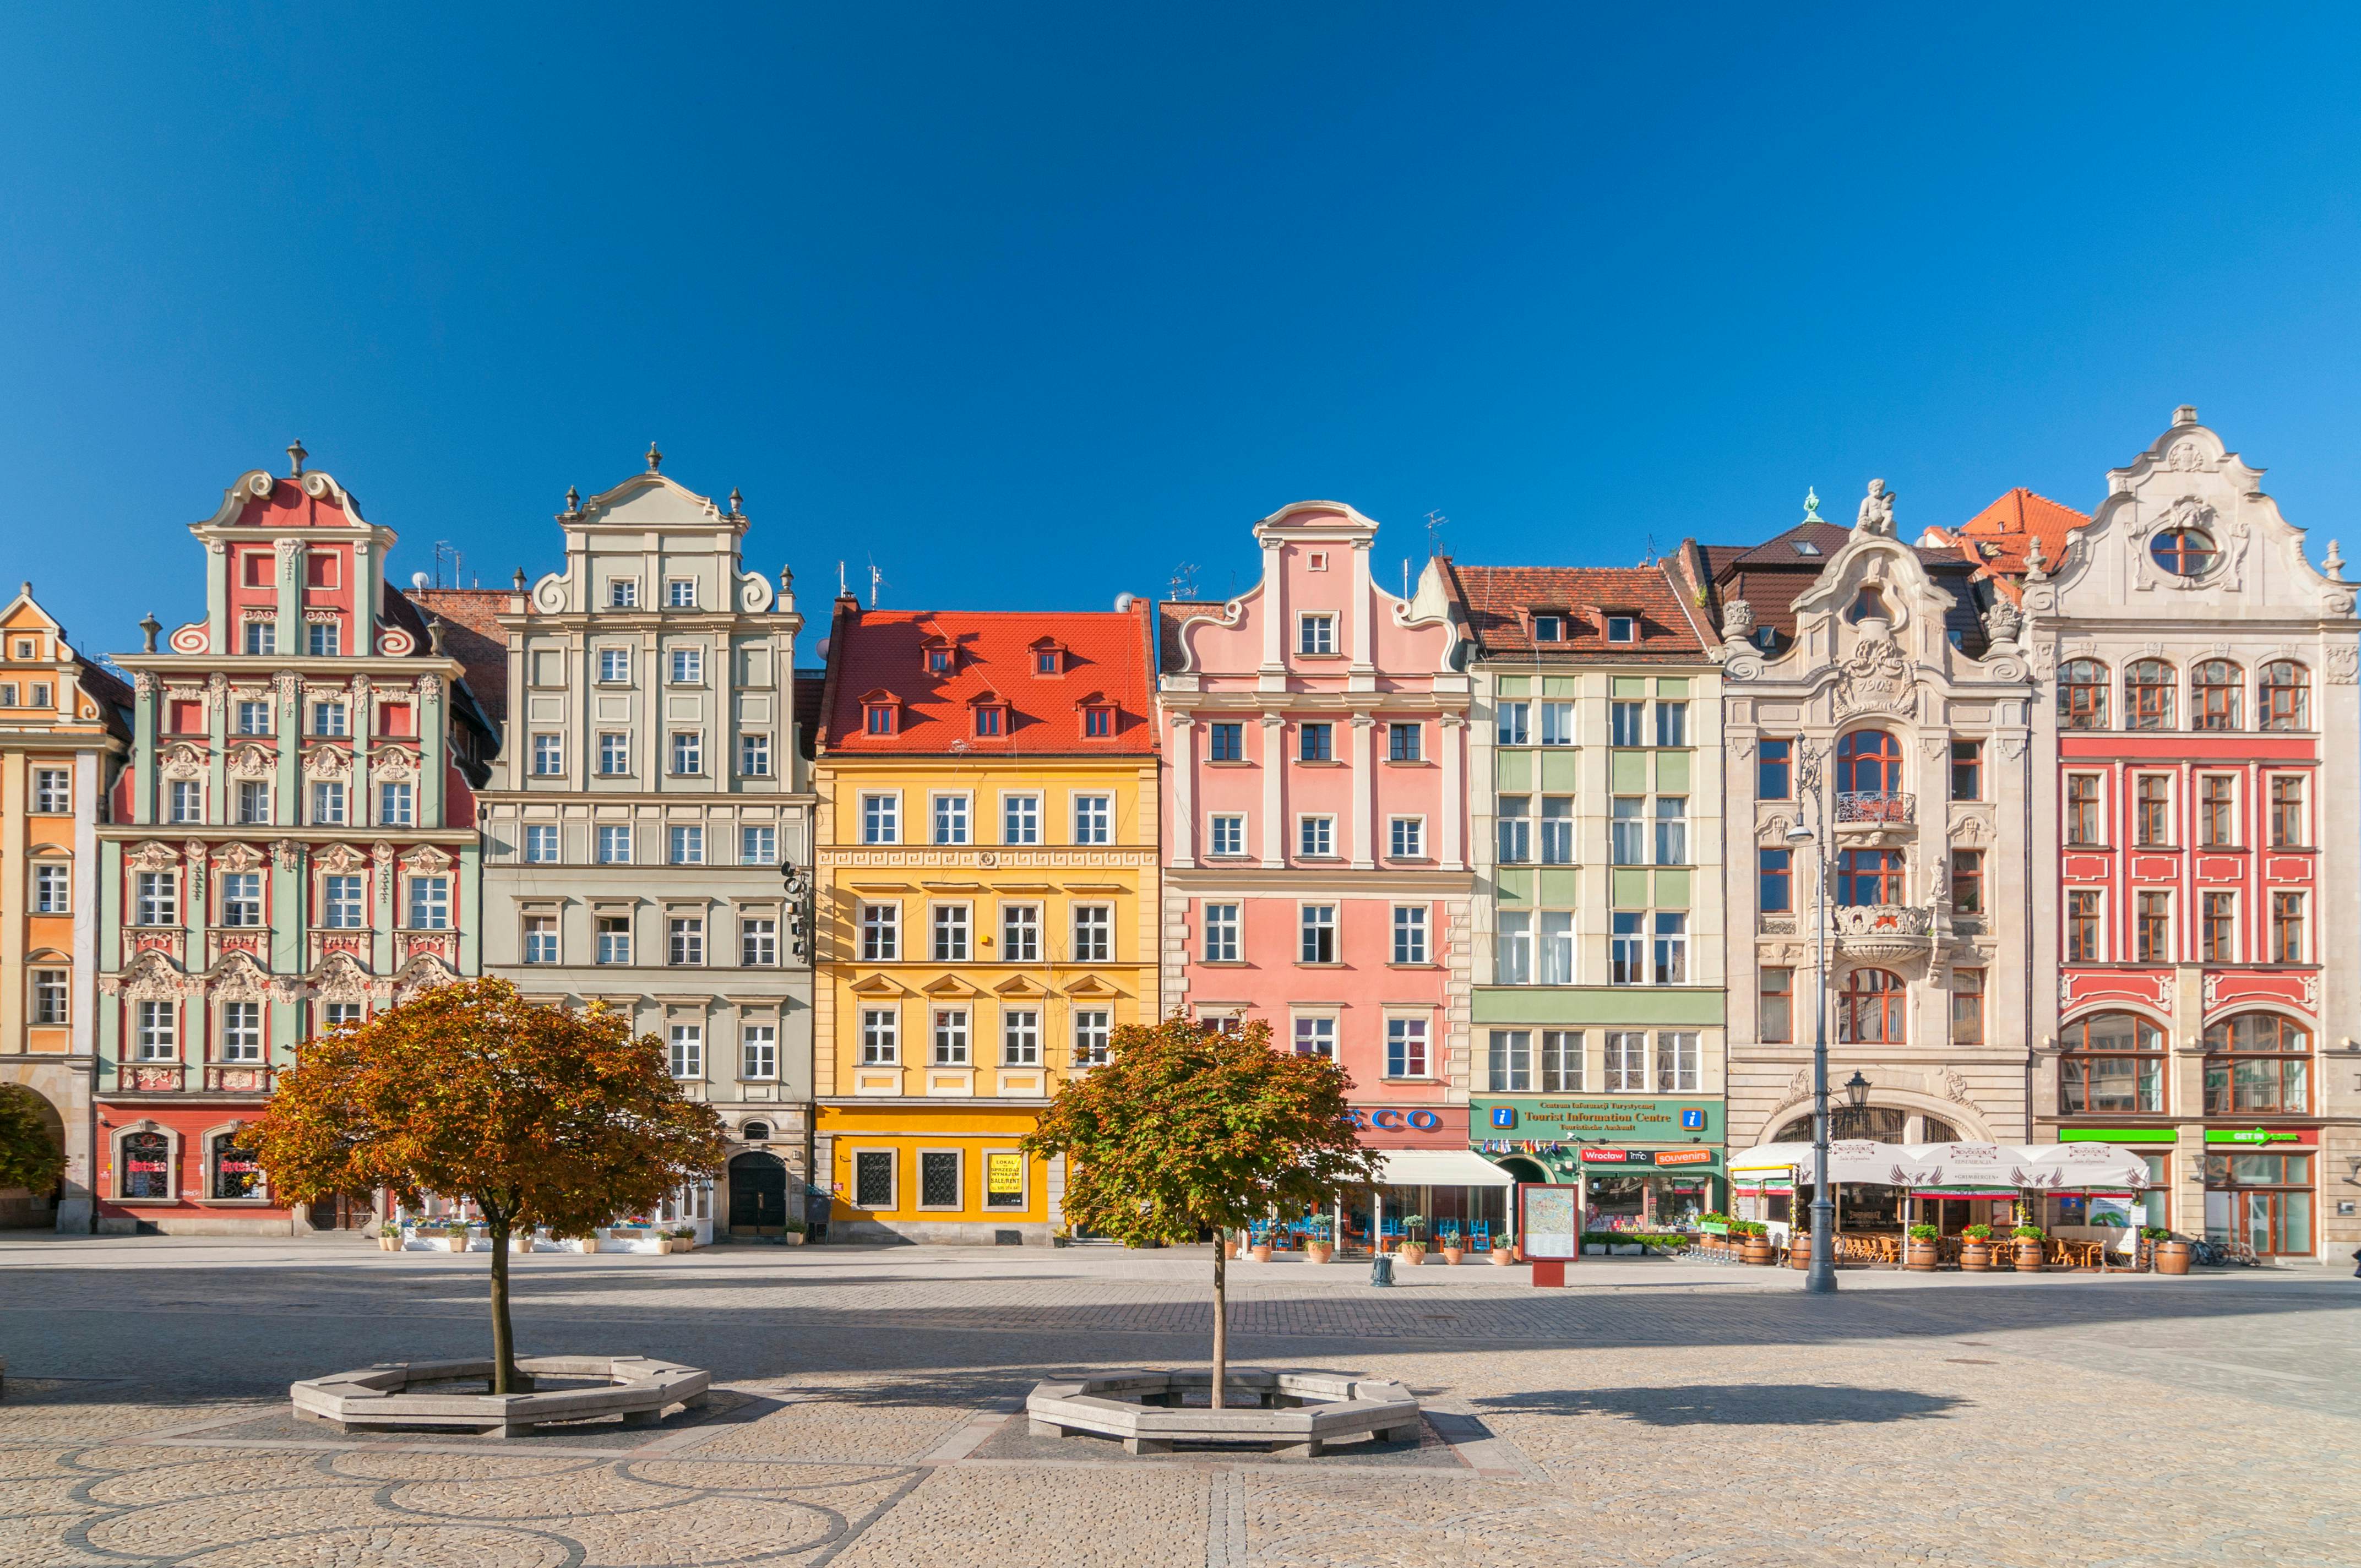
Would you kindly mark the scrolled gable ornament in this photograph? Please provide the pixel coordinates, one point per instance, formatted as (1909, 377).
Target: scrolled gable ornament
(1876, 678)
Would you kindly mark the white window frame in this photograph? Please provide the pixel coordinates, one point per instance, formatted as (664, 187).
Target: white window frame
(1020, 933)
(1225, 925)
(614, 747)
(1226, 834)
(881, 817)
(1315, 836)
(328, 719)
(1093, 817)
(880, 933)
(1404, 1026)
(428, 903)
(685, 844)
(1408, 926)
(1020, 816)
(686, 665)
(950, 932)
(614, 666)
(758, 1051)
(881, 1037)
(1020, 1036)
(1315, 632)
(1626, 1062)
(755, 756)
(758, 844)
(1093, 1028)
(540, 843)
(684, 941)
(687, 746)
(1509, 1061)
(536, 929)
(1092, 927)
(1557, 722)
(1316, 1026)
(614, 837)
(338, 913)
(950, 813)
(684, 1057)
(949, 1038)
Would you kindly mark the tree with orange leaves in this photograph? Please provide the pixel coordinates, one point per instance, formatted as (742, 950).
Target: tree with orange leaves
(540, 1115)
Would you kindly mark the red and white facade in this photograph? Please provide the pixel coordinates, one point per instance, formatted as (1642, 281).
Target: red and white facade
(2197, 859)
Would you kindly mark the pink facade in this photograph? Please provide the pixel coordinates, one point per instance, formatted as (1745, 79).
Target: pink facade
(1315, 829)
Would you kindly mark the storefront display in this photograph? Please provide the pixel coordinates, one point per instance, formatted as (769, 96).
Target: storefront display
(1645, 1164)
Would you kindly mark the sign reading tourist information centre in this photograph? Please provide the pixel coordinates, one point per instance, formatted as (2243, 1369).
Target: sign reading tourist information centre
(1643, 1132)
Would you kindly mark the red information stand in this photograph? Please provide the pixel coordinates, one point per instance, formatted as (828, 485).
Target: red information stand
(1549, 1227)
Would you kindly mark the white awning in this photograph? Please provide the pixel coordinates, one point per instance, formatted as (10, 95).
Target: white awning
(1440, 1168)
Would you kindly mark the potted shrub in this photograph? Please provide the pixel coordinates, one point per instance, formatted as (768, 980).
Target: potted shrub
(794, 1234)
(684, 1238)
(2170, 1252)
(1755, 1246)
(1504, 1249)
(588, 1241)
(520, 1240)
(1319, 1245)
(1257, 1250)
(1975, 1248)
(1452, 1251)
(1230, 1244)
(1923, 1254)
(389, 1238)
(1413, 1247)
(455, 1235)
(2028, 1239)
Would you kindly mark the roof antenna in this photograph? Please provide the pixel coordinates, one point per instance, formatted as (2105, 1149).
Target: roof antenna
(1405, 579)
(840, 589)
(876, 580)
(1436, 523)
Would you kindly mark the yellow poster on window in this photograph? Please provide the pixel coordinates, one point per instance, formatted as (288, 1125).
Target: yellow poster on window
(1003, 1174)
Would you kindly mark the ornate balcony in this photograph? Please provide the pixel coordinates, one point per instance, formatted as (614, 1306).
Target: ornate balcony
(1881, 930)
(1876, 808)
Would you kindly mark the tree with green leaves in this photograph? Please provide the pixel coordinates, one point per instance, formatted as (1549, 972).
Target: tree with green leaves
(1187, 1127)
(30, 1156)
(541, 1115)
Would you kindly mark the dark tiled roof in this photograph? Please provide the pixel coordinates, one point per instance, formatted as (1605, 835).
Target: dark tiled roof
(1105, 656)
(1499, 602)
(473, 635)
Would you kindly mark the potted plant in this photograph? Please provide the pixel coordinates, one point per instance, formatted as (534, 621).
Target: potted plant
(455, 1233)
(1319, 1244)
(520, 1240)
(1413, 1249)
(588, 1241)
(1230, 1244)
(1504, 1249)
(1923, 1254)
(2028, 1239)
(1260, 1249)
(2170, 1252)
(389, 1238)
(1063, 1236)
(1755, 1246)
(1449, 1240)
(684, 1238)
(794, 1234)
(1975, 1248)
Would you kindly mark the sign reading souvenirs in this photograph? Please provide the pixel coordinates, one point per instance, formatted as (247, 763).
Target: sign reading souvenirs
(1552, 1119)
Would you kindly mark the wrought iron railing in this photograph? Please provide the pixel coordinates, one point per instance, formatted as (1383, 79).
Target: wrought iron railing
(1876, 805)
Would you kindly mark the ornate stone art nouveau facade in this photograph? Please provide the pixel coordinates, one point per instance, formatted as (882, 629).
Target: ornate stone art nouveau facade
(2196, 927)
(293, 845)
(62, 728)
(1866, 697)
(651, 796)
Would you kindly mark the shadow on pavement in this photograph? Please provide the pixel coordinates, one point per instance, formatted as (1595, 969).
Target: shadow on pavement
(1736, 1404)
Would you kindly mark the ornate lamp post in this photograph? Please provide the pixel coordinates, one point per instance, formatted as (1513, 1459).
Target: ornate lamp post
(1820, 1278)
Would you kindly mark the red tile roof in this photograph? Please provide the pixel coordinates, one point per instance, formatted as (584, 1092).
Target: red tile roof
(473, 635)
(1997, 539)
(875, 653)
(1493, 597)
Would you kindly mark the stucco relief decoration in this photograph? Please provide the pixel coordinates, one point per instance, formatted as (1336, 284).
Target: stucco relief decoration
(2012, 747)
(2344, 664)
(2186, 457)
(1972, 830)
(426, 859)
(321, 617)
(240, 857)
(182, 760)
(381, 853)
(340, 860)
(250, 762)
(1743, 744)
(2114, 985)
(423, 972)
(216, 691)
(1934, 745)
(289, 686)
(290, 853)
(339, 979)
(754, 593)
(430, 688)
(290, 558)
(1737, 620)
(1954, 1086)
(1876, 678)
(394, 763)
(394, 642)
(237, 977)
(153, 857)
(2002, 621)
(327, 762)
(1800, 1087)
(549, 593)
(144, 684)
(190, 639)
(151, 978)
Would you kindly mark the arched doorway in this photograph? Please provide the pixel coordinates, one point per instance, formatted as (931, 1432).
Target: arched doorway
(758, 1195)
(1521, 1168)
(21, 1208)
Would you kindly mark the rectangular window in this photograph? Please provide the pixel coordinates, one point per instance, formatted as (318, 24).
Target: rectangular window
(2082, 926)
(158, 1038)
(1557, 829)
(2288, 827)
(1557, 724)
(1774, 881)
(755, 756)
(1514, 947)
(1409, 933)
(758, 941)
(1560, 1063)
(988, 720)
(2152, 928)
(2217, 812)
(325, 639)
(939, 1178)
(262, 637)
(1672, 950)
(688, 845)
(2287, 928)
(1020, 1037)
(622, 593)
(1226, 834)
(1968, 882)
(1677, 1062)
(688, 1050)
(50, 995)
(1515, 721)
(328, 802)
(241, 1031)
(2218, 929)
(335, 1015)
(1774, 770)
(1554, 948)
(687, 753)
(1092, 1030)
(541, 844)
(687, 945)
(1628, 831)
(614, 940)
(1406, 838)
(1226, 742)
(254, 802)
(950, 1037)
(1967, 770)
(1315, 743)
(1672, 830)
(881, 819)
(340, 903)
(1515, 830)
(188, 800)
(1098, 721)
(1775, 1005)
(1404, 743)
(53, 792)
(1020, 933)
(393, 804)
(950, 934)
(951, 819)
(328, 719)
(1094, 818)
(880, 933)
(1511, 1061)
(1627, 1063)
(614, 754)
(52, 889)
(1405, 1047)
(758, 846)
(1020, 819)
(1315, 634)
(1626, 947)
(241, 898)
(758, 1048)
(1315, 1037)
(872, 1178)
(1094, 932)
(1222, 933)
(680, 593)
(1626, 723)
(541, 938)
(615, 844)
(1967, 1007)
(2084, 823)
(614, 665)
(159, 900)
(2152, 810)
(881, 1041)
(1549, 628)
(1672, 724)
(1317, 944)
(1315, 836)
(430, 904)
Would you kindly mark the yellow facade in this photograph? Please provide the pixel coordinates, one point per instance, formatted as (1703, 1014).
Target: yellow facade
(934, 1061)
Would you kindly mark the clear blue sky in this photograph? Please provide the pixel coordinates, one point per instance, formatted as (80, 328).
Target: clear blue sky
(1031, 305)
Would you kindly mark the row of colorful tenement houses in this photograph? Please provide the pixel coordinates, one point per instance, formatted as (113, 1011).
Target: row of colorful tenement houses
(1553, 860)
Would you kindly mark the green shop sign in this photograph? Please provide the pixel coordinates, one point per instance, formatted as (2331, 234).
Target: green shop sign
(2249, 1135)
(1568, 1119)
(2117, 1136)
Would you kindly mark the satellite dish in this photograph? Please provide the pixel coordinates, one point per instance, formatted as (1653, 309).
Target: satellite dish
(418, 580)
(823, 650)
(1123, 603)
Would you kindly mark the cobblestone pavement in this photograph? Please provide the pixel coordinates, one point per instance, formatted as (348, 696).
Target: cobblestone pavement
(1657, 1413)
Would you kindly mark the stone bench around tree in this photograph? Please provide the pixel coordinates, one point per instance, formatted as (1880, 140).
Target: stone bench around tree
(1298, 1413)
(637, 1388)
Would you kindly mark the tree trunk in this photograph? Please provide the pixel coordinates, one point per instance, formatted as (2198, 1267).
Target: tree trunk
(503, 1338)
(1221, 1321)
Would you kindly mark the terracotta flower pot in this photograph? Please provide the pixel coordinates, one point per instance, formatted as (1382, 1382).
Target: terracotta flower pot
(459, 1243)
(1318, 1252)
(1975, 1257)
(1413, 1255)
(2172, 1257)
(1229, 1246)
(1451, 1255)
(2029, 1255)
(1922, 1257)
(1502, 1257)
(1259, 1254)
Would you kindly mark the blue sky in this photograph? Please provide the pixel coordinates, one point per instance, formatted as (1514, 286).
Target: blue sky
(1033, 304)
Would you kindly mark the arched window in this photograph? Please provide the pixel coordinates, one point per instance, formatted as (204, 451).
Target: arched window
(2258, 1064)
(1869, 877)
(1885, 1123)
(1872, 1008)
(2214, 696)
(144, 1165)
(1869, 762)
(237, 1173)
(2082, 695)
(2148, 687)
(2110, 1063)
(2286, 698)
(1868, 605)
(2184, 551)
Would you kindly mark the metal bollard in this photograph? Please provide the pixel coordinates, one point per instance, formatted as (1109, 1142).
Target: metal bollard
(1381, 1270)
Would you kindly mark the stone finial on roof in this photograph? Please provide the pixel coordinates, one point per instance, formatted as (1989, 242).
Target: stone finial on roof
(1812, 505)
(736, 502)
(295, 455)
(573, 501)
(2035, 566)
(2331, 564)
(148, 629)
(655, 458)
(519, 580)
(2185, 414)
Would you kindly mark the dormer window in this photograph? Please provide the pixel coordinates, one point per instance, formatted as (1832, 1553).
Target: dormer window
(1622, 629)
(1804, 547)
(881, 714)
(1098, 718)
(1767, 639)
(1049, 657)
(938, 658)
(1549, 628)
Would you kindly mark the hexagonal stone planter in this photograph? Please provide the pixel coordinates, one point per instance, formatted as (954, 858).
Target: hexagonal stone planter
(1297, 1413)
(636, 1387)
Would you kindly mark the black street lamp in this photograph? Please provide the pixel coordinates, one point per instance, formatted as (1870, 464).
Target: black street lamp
(1820, 1278)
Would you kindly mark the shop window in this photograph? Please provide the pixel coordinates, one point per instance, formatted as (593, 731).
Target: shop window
(1004, 1179)
(1872, 1008)
(237, 1173)
(2258, 1064)
(2082, 695)
(144, 1165)
(872, 1178)
(2263, 1200)
(2110, 1063)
